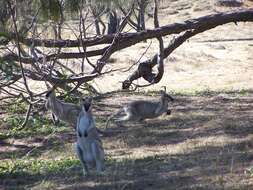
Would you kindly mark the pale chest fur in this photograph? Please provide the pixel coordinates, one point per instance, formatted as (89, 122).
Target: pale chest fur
(86, 136)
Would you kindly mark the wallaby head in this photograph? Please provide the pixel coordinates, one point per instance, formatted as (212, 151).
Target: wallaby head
(166, 96)
(86, 104)
(50, 93)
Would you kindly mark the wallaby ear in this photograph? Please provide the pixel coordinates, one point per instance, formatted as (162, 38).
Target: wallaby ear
(164, 88)
(48, 93)
(85, 100)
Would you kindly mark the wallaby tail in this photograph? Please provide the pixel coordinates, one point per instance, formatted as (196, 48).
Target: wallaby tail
(111, 117)
(102, 132)
(108, 120)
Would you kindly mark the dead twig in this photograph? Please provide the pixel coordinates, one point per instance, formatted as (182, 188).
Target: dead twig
(138, 61)
(21, 65)
(109, 51)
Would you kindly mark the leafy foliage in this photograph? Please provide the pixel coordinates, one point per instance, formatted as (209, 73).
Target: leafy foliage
(51, 9)
(8, 68)
(4, 12)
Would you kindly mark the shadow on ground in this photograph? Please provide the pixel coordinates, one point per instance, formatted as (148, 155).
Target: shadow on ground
(206, 143)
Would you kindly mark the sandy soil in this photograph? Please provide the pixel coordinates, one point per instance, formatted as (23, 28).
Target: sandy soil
(198, 64)
(206, 143)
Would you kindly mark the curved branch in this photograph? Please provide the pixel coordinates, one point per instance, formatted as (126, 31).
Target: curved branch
(144, 69)
(176, 28)
(160, 57)
(125, 40)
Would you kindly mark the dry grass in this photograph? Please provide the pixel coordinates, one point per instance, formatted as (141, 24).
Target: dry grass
(206, 143)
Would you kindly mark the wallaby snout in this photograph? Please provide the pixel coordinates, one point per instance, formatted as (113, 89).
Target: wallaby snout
(86, 103)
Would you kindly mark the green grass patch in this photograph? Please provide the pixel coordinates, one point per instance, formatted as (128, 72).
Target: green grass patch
(250, 171)
(36, 125)
(199, 92)
(19, 167)
(17, 107)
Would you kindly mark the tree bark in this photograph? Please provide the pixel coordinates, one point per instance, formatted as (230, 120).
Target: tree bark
(113, 23)
(141, 15)
(208, 22)
(123, 40)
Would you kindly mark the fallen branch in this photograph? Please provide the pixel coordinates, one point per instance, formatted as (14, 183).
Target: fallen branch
(125, 40)
(145, 69)
(176, 28)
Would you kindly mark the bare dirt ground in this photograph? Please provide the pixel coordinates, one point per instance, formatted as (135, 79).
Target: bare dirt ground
(225, 64)
(206, 143)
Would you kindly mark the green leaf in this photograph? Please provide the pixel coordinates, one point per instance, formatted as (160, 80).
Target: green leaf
(51, 9)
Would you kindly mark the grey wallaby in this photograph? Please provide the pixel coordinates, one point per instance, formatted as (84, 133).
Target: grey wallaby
(66, 112)
(89, 147)
(140, 110)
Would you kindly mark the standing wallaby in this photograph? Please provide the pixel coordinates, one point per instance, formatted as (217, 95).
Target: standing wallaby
(66, 112)
(60, 110)
(140, 110)
(89, 147)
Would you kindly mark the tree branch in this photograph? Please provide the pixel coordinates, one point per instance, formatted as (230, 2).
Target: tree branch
(21, 65)
(160, 57)
(209, 21)
(145, 68)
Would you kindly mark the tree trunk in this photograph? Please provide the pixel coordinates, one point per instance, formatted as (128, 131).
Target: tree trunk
(113, 22)
(97, 27)
(141, 15)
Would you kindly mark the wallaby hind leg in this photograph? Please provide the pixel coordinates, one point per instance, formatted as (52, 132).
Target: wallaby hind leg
(129, 116)
(55, 119)
(98, 154)
(80, 156)
(124, 118)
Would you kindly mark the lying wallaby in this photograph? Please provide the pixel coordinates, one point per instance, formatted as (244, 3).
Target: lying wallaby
(89, 147)
(60, 110)
(140, 110)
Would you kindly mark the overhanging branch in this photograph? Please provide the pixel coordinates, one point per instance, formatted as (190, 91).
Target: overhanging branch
(176, 28)
(144, 69)
(125, 40)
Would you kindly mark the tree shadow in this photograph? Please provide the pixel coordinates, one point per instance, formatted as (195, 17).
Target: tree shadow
(204, 167)
(178, 171)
